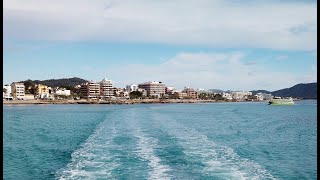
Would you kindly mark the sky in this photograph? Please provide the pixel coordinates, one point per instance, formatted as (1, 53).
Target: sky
(207, 44)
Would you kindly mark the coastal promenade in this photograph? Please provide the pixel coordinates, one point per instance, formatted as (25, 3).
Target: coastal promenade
(131, 101)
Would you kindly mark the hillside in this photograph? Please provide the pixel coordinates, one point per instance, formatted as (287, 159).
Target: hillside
(306, 91)
(57, 82)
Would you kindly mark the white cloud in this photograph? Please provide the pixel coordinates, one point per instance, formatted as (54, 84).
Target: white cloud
(201, 70)
(263, 24)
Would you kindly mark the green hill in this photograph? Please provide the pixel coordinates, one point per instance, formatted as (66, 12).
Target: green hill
(66, 82)
(306, 91)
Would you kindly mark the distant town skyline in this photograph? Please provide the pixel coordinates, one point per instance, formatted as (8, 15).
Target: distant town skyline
(209, 44)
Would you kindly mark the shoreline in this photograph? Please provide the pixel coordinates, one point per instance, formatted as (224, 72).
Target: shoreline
(132, 101)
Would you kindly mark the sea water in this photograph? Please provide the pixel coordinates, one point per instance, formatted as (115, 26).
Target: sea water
(160, 141)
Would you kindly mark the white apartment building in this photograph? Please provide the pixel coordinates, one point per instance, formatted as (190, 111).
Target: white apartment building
(63, 92)
(7, 95)
(132, 87)
(17, 90)
(153, 88)
(227, 96)
(143, 91)
(169, 90)
(240, 94)
(263, 96)
(106, 88)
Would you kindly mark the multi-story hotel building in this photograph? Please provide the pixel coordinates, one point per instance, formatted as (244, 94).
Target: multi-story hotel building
(17, 90)
(153, 88)
(90, 90)
(106, 88)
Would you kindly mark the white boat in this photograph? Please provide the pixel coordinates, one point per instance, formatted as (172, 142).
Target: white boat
(280, 101)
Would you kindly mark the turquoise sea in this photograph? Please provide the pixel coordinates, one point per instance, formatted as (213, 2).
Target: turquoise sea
(161, 141)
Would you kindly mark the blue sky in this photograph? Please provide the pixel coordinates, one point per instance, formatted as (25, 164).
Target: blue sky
(202, 44)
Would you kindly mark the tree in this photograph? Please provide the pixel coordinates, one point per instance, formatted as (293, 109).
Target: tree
(33, 90)
(27, 84)
(218, 97)
(135, 94)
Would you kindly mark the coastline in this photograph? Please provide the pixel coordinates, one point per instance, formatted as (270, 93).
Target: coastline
(131, 101)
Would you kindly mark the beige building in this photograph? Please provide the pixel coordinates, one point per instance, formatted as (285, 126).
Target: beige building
(42, 91)
(154, 88)
(182, 95)
(18, 91)
(191, 93)
(106, 88)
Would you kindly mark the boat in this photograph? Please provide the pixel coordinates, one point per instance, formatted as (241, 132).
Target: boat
(281, 101)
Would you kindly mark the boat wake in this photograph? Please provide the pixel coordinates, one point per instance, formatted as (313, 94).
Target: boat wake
(131, 145)
(219, 160)
(93, 159)
(146, 146)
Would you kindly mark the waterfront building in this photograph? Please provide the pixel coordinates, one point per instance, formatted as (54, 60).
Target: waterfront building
(119, 92)
(18, 90)
(263, 96)
(90, 90)
(132, 87)
(143, 91)
(42, 91)
(63, 92)
(240, 95)
(29, 97)
(227, 96)
(154, 88)
(84, 90)
(169, 90)
(191, 93)
(182, 95)
(106, 88)
(7, 94)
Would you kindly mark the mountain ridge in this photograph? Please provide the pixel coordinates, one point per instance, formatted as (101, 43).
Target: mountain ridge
(301, 90)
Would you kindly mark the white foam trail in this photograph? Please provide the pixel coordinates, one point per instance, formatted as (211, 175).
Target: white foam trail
(146, 146)
(219, 160)
(94, 154)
